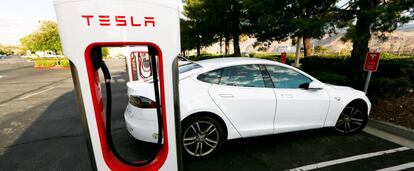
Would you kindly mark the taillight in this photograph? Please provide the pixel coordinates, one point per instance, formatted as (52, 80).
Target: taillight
(142, 102)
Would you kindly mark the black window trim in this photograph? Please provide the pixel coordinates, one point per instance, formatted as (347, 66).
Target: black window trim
(266, 76)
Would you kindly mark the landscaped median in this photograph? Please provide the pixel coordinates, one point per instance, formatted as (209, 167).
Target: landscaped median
(51, 63)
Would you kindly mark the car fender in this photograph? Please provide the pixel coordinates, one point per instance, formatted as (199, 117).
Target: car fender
(340, 97)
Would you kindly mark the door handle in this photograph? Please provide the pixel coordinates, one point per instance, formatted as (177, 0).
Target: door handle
(226, 95)
(287, 95)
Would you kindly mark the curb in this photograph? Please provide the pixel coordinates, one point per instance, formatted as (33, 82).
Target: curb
(54, 67)
(393, 129)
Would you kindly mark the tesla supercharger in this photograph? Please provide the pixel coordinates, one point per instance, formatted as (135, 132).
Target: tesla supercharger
(87, 25)
(137, 63)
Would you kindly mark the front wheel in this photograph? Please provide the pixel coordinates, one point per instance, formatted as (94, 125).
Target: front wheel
(202, 137)
(352, 120)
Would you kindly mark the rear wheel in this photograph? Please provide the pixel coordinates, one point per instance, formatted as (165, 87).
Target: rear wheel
(352, 120)
(202, 137)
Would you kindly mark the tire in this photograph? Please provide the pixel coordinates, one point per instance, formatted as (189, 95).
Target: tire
(202, 137)
(351, 120)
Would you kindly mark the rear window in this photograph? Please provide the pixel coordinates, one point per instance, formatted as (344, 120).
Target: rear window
(212, 77)
(188, 67)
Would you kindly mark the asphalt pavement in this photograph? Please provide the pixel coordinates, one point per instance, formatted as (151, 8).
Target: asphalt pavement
(40, 129)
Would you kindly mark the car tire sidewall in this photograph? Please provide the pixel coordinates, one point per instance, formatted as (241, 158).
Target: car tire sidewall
(218, 126)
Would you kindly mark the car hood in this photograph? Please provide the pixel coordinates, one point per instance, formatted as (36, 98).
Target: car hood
(344, 90)
(337, 87)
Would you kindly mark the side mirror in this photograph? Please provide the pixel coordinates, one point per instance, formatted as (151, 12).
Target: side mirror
(315, 85)
(311, 86)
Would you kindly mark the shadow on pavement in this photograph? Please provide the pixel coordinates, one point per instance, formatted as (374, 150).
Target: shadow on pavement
(286, 151)
(55, 141)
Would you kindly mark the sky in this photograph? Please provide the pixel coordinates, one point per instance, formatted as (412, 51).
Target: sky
(21, 17)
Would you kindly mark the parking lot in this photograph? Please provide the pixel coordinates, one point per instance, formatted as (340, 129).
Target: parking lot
(40, 129)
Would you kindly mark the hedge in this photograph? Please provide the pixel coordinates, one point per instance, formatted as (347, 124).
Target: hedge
(60, 62)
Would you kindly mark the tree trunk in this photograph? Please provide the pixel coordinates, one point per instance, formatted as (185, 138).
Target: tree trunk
(227, 44)
(360, 42)
(198, 50)
(236, 29)
(297, 52)
(236, 45)
(198, 47)
(221, 45)
(307, 46)
(183, 53)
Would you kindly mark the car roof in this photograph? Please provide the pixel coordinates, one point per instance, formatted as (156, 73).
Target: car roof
(214, 63)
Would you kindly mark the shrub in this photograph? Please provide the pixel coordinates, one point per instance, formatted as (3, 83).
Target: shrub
(337, 65)
(59, 62)
(330, 78)
(388, 87)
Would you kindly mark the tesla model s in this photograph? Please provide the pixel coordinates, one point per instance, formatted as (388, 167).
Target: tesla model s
(228, 98)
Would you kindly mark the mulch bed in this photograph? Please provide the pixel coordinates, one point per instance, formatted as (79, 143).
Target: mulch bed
(399, 111)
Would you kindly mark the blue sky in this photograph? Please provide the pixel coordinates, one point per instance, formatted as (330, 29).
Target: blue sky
(21, 17)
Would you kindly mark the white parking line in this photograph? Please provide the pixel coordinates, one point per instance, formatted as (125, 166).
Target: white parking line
(348, 159)
(399, 167)
(30, 95)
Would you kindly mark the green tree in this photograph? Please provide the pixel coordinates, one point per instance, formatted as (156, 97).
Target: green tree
(188, 37)
(45, 38)
(196, 25)
(227, 19)
(276, 20)
(217, 19)
(363, 18)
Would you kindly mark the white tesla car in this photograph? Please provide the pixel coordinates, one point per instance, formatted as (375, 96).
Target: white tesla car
(230, 98)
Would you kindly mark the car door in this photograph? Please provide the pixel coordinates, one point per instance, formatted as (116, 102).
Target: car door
(243, 97)
(297, 108)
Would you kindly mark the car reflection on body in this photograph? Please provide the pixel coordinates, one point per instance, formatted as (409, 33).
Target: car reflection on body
(228, 98)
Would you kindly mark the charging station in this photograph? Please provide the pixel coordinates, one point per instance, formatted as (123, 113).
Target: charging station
(137, 63)
(85, 26)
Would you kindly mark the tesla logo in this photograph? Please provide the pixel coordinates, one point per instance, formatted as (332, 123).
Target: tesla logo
(119, 20)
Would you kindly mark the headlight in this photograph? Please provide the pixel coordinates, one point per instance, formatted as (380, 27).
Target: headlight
(142, 102)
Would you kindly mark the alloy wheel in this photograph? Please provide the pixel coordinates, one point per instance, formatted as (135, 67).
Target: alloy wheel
(351, 120)
(201, 138)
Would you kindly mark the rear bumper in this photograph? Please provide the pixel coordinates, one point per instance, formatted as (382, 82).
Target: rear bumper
(141, 129)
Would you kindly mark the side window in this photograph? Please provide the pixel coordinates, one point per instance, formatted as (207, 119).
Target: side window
(211, 77)
(286, 78)
(243, 76)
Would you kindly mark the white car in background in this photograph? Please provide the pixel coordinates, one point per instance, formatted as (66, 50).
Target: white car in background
(228, 98)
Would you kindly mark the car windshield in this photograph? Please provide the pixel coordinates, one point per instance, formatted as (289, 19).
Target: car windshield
(188, 67)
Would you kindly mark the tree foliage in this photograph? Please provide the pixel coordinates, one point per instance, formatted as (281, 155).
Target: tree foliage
(45, 38)
(195, 28)
(276, 20)
(216, 19)
(364, 18)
